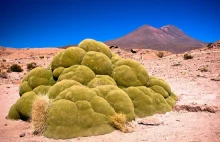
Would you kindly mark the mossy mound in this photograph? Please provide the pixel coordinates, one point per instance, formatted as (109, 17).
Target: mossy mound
(41, 90)
(115, 58)
(83, 93)
(160, 90)
(98, 62)
(58, 71)
(93, 45)
(22, 108)
(147, 102)
(80, 73)
(70, 56)
(56, 89)
(80, 110)
(88, 90)
(173, 96)
(170, 101)
(161, 104)
(68, 119)
(13, 113)
(159, 82)
(100, 80)
(36, 77)
(24, 87)
(128, 72)
(117, 98)
(142, 99)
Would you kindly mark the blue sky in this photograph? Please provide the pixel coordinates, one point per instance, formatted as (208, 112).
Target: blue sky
(51, 23)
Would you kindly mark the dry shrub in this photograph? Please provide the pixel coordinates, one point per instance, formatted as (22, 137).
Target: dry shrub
(204, 68)
(41, 57)
(16, 68)
(119, 121)
(39, 114)
(31, 65)
(187, 56)
(3, 74)
(160, 54)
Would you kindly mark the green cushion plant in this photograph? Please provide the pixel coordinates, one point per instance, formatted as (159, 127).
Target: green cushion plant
(88, 90)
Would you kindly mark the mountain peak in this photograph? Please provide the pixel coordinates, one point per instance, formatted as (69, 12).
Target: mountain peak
(169, 26)
(165, 28)
(168, 37)
(147, 28)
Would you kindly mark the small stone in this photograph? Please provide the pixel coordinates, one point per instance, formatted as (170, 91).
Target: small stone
(6, 124)
(151, 121)
(22, 134)
(8, 87)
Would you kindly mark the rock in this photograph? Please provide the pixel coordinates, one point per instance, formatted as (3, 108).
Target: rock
(197, 108)
(22, 134)
(216, 79)
(151, 121)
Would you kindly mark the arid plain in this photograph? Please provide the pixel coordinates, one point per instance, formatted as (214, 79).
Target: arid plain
(196, 82)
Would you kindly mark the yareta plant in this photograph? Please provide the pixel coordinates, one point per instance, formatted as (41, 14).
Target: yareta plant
(88, 90)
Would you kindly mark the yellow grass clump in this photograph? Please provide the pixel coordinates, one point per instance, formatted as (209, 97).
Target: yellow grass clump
(119, 121)
(39, 114)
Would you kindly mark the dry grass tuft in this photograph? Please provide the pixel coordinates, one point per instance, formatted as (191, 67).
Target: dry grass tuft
(39, 114)
(119, 121)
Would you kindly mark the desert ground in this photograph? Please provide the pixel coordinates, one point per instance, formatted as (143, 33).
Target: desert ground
(196, 82)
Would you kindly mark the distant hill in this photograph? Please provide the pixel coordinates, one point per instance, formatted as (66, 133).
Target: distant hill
(168, 38)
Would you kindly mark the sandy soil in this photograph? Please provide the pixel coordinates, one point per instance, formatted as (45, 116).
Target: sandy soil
(196, 117)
